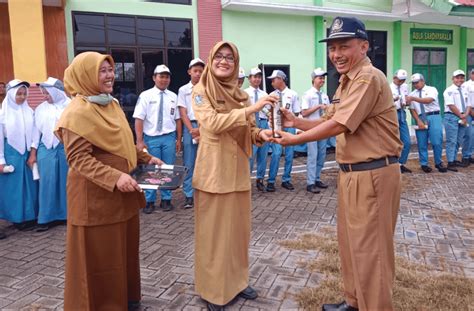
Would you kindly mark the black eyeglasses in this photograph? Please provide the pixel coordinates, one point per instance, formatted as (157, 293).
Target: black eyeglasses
(229, 58)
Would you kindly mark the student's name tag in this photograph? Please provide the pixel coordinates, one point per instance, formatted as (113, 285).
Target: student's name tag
(152, 102)
(172, 111)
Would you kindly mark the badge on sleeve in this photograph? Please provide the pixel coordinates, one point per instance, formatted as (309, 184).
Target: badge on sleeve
(198, 99)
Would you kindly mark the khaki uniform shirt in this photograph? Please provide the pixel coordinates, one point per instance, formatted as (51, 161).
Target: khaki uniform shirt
(364, 105)
(92, 196)
(221, 164)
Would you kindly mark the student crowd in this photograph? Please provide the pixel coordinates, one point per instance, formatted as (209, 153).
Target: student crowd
(165, 123)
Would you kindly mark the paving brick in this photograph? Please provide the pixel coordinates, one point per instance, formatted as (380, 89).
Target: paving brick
(432, 228)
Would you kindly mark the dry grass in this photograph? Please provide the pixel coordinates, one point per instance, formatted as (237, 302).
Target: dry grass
(417, 287)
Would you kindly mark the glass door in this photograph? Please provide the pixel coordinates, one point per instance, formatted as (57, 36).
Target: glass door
(149, 60)
(125, 86)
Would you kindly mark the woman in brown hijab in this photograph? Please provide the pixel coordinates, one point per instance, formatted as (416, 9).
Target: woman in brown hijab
(102, 264)
(222, 179)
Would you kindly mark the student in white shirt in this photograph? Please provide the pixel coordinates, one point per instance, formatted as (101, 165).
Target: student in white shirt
(241, 78)
(456, 112)
(400, 91)
(259, 153)
(424, 107)
(158, 128)
(469, 86)
(314, 102)
(291, 102)
(190, 127)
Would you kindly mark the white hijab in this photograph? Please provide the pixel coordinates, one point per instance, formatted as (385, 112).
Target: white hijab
(17, 121)
(47, 115)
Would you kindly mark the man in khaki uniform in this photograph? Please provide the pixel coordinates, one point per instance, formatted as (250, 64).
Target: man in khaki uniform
(365, 121)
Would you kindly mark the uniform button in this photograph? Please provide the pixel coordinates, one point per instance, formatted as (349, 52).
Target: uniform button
(235, 156)
(234, 142)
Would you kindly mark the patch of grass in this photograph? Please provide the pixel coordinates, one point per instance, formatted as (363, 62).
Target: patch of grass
(416, 287)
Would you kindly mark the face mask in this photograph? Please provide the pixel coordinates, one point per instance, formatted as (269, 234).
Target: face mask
(101, 99)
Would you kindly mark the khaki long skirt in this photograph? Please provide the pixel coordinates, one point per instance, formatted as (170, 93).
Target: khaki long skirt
(222, 233)
(102, 266)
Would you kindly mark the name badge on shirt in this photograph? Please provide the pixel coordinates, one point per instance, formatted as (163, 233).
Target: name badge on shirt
(153, 102)
(172, 111)
(335, 101)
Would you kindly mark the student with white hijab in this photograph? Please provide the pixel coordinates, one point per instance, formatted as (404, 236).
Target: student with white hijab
(19, 192)
(52, 164)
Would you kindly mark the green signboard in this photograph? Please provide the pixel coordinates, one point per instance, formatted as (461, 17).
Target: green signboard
(431, 36)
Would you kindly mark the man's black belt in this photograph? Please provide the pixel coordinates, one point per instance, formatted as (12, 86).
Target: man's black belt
(432, 113)
(365, 166)
(261, 119)
(192, 120)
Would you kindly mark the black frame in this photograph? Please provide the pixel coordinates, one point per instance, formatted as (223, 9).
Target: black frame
(137, 47)
(469, 67)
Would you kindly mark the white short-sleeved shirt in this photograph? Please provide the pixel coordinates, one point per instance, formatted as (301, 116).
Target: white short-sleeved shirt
(251, 91)
(469, 86)
(147, 109)
(426, 91)
(311, 99)
(401, 97)
(452, 96)
(290, 100)
(184, 100)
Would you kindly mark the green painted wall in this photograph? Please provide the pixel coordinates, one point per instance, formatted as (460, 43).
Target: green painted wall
(470, 38)
(130, 7)
(274, 39)
(367, 5)
(452, 50)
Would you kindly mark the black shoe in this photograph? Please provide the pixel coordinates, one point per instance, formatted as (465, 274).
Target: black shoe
(404, 169)
(260, 186)
(471, 160)
(452, 167)
(213, 307)
(330, 150)
(42, 228)
(166, 205)
(26, 225)
(287, 185)
(441, 168)
(270, 187)
(343, 306)
(149, 208)
(320, 184)
(188, 203)
(248, 293)
(426, 169)
(456, 162)
(312, 189)
(133, 305)
(2, 235)
(465, 162)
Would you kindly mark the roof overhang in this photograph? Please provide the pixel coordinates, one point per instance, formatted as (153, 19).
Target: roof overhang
(402, 10)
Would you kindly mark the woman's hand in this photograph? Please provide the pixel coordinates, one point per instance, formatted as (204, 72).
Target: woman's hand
(262, 102)
(126, 183)
(266, 135)
(32, 158)
(156, 161)
(194, 132)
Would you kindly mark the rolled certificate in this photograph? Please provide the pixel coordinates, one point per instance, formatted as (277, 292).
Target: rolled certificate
(276, 116)
(8, 169)
(36, 175)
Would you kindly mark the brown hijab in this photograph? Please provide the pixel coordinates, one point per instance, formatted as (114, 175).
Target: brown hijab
(103, 126)
(224, 94)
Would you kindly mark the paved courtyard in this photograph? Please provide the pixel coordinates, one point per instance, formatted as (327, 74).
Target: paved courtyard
(436, 226)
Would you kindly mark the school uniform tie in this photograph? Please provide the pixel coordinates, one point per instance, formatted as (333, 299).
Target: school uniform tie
(159, 125)
(400, 97)
(320, 101)
(255, 101)
(422, 107)
(463, 104)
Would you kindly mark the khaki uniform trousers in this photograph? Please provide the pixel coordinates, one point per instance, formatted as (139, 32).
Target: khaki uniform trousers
(102, 266)
(367, 214)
